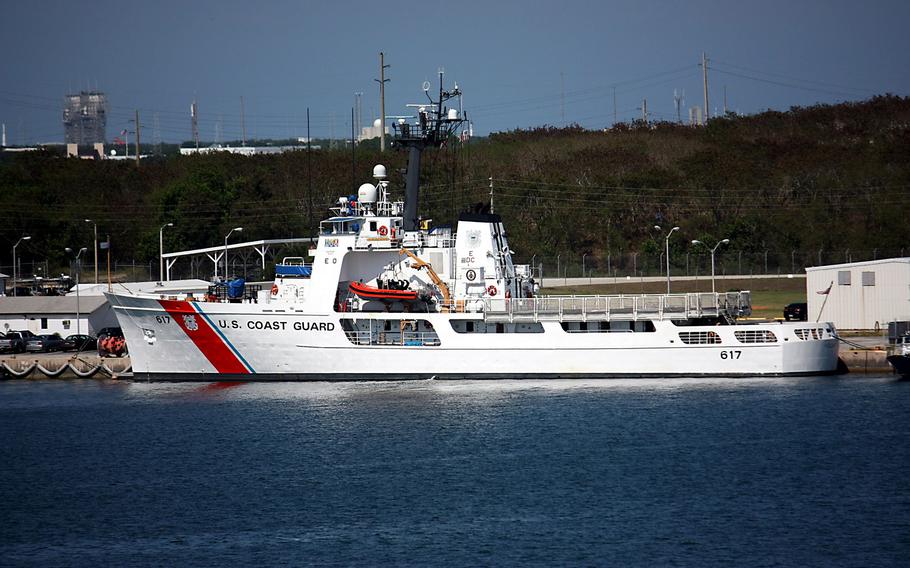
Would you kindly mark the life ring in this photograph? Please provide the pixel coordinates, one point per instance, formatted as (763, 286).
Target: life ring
(383, 231)
(491, 290)
(274, 289)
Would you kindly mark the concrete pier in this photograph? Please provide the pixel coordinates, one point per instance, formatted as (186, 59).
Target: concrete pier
(62, 366)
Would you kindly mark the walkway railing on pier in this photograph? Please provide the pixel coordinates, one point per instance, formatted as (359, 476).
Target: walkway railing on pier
(618, 307)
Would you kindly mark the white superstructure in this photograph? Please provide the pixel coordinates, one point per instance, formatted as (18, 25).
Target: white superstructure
(389, 296)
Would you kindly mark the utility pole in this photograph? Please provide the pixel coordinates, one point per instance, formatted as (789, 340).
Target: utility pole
(195, 120)
(353, 156)
(382, 81)
(704, 69)
(562, 96)
(725, 100)
(614, 106)
(138, 128)
(644, 111)
(242, 124)
(309, 171)
(156, 136)
(491, 195)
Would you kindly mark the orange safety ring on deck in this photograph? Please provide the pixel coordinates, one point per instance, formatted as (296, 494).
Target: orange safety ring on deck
(383, 231)
(274, 289)
(491, 290)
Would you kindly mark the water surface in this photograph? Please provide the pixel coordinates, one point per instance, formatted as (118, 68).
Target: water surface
(763, 472)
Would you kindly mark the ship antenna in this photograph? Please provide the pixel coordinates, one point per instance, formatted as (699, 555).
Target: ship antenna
(433, 128)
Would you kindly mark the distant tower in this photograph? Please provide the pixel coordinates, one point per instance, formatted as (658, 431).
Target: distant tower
(679, 100)
(3, 145)
(85, 118)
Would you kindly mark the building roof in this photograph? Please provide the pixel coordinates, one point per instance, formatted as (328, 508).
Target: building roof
(169, 287)
(898, 260)
(50, 305)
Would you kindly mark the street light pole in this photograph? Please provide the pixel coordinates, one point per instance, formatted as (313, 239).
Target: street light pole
(238, 229)
(673, 230)
(96, 247)
(713, 250)
(24, 238)
(161, 251)
(78, 271)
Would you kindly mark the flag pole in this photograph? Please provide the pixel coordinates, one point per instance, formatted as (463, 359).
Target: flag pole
(822, 309)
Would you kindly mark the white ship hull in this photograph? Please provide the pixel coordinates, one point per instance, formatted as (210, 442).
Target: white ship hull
(389, 295)
(186, 340)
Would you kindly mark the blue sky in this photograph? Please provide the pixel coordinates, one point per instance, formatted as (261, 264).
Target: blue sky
(520, 64)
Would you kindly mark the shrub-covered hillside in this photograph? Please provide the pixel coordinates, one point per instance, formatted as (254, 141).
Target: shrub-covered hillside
(825, 178)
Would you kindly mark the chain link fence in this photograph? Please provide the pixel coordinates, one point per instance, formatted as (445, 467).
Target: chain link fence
(695, 263)
(561, 265)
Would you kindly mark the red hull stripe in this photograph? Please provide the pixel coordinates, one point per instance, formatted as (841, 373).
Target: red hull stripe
(206, 339)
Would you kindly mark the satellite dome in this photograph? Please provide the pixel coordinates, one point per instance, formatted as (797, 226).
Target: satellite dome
(453, 114)
(377, 123)
(379, 171)
(366, 193)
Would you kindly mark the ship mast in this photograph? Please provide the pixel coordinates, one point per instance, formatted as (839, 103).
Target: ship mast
(433, 128)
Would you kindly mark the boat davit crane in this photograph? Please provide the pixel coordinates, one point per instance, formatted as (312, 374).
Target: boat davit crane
(420, 263)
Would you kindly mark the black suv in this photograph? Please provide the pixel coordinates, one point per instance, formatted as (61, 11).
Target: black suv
(797, 311)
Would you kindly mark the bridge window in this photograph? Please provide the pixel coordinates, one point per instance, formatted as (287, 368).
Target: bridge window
(617, 326)
(480, 326)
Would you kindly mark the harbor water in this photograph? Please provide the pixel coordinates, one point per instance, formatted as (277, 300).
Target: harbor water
(760, 472)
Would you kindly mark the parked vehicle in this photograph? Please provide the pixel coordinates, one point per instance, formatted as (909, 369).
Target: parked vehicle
(797, 311)
(14, 341)
(80, 343)
(45, 343)
(111, 342)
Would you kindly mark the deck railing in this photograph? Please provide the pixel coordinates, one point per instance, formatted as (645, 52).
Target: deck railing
(620, 307)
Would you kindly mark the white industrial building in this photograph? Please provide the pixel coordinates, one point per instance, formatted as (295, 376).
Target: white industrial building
(863, 295)
(56, 314)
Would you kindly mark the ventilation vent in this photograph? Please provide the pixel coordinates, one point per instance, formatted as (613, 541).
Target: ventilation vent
(812, 333)
(755, 336)
(699, 337)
